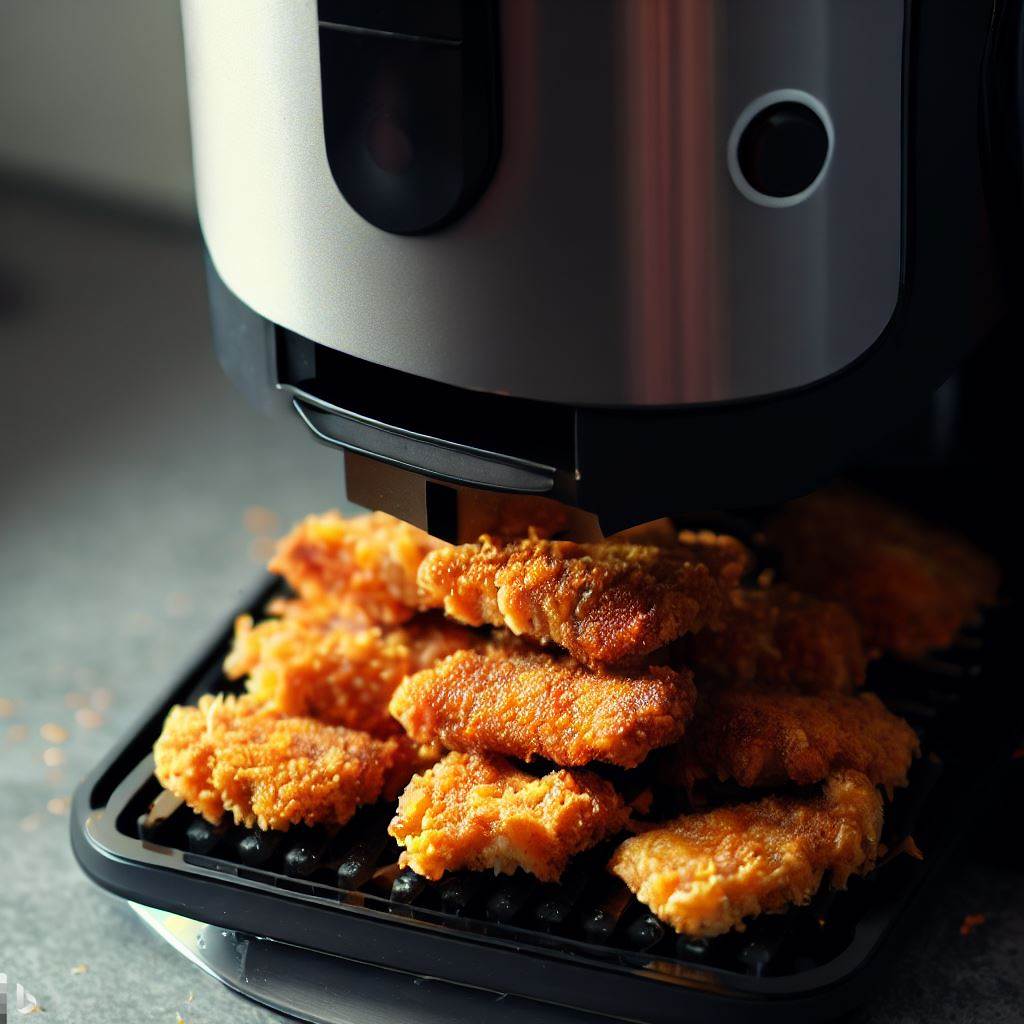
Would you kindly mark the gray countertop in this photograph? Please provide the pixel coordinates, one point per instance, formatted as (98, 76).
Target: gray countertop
(136, 498)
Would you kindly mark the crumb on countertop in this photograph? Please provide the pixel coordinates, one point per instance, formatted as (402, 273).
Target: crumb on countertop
(970, 922)
(87, 718)
(261, 521)
(53, 733)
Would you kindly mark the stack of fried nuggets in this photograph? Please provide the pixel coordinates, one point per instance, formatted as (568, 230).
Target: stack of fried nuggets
(552, 659)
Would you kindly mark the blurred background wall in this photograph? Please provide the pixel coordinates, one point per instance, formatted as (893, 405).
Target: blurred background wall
(93, 95)
(139, 494)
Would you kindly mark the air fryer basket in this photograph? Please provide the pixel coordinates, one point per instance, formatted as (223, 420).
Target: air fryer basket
(582, 943)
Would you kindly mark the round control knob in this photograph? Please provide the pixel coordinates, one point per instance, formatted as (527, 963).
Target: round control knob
(780, 148)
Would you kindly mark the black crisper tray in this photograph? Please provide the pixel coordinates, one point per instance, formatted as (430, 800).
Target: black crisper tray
(581, 943)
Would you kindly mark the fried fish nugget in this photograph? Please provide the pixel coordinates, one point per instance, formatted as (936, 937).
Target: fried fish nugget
(526, 703)
(910, 585)
(761, 736)
(232, 755)
(601, 602)
(335, 674)
(478, 811)
(704, 873)
(777, 636)
(369, 561)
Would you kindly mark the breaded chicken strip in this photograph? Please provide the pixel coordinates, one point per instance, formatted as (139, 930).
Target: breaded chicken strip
(761, 736)
(478, 811)
(728, 559)
(704, 873)
(233, 755)
(910, 585)
(601, 602)
(527, 703)
(323, 612)
(334, 674)
(776, 636)
(510, 515)
(369, 561)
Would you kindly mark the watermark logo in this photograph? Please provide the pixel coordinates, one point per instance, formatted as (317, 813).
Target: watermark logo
(15, 999)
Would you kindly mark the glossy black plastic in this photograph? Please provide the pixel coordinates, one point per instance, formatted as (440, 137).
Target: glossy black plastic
(412, 107)
(783, 149)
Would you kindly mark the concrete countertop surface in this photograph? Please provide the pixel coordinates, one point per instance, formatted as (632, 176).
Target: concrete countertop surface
(139, 494)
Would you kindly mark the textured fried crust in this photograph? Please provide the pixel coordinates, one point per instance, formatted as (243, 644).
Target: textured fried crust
(511, 700)
(480, 812)
(761, 736)
(510, 515)
(368, 561)
(911, 585)
(233, 755)
(777, 636)
(660, 533)
(335, 674)
(601, 602)
(727, 558)
(704, 873)
(322, 612)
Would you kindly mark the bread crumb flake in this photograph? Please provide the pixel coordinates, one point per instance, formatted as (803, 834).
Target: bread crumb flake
(970, 922)
(53, 733)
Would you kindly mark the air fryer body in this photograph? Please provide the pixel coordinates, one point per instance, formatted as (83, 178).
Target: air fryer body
(712, 246)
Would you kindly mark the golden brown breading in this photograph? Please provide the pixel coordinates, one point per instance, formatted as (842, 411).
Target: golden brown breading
(776, 636)
(704, 873)
(233, 755)
(728, 558)
(527, 703)
(323, 612)
(334, 674)
(510, 515)
(601, 602)
(661, 533)
(410, 759)
(761, 736)
(478, 811)
(910, 585)
(369, 561)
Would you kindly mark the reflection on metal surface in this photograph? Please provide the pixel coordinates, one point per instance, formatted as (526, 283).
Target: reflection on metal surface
(326, 989)
(611, 261)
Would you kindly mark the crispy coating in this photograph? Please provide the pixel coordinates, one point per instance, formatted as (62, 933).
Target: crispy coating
(369, 561)
(336, 674)
(510, 515)
(602, 602)
(233, 755)
(776, 636)
(910, 585)
(761, 736)
(729, 559)
(478, 811)
(661, 533)
(528, 703)
(704, 873)
(322, 612)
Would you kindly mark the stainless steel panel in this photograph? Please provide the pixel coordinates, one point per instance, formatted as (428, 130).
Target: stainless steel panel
(612, 260)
